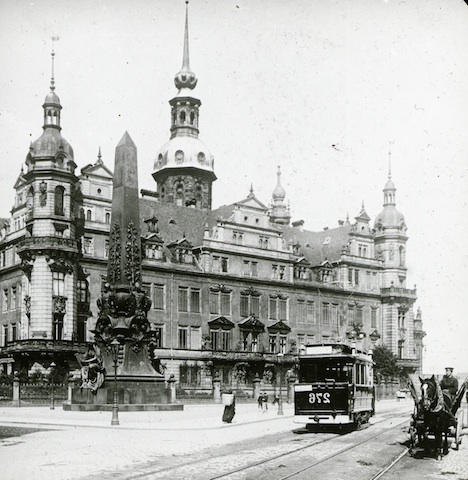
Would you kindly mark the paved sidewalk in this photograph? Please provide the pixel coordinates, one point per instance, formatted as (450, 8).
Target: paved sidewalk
(193, 417)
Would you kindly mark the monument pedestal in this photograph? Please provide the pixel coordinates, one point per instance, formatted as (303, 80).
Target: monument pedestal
(134, 394)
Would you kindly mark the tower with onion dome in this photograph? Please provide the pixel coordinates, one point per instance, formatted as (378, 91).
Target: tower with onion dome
(50, 248)
(184, 167)
(279, 210)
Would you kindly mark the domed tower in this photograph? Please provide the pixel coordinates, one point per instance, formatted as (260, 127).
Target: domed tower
(183, 168)
(390, 238)
(279, 210)
(50, 250)
(397, 300)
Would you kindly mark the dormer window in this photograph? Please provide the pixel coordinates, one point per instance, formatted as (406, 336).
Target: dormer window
(153, 251)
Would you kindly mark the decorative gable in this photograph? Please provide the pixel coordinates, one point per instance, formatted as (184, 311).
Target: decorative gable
(279, 327)
(221, 322)
(252, 324)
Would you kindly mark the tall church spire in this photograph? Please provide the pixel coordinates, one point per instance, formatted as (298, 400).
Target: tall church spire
(184, 167)
(185, 78)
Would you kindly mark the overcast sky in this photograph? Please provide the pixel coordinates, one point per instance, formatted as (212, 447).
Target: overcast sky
(323, 88)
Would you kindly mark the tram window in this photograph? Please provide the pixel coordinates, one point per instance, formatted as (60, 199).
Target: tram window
(361, 374)
(323, 371)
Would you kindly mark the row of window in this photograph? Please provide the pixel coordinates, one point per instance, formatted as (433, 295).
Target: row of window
(88, 214)
(11, 298)
(9, 333)
(356, 278)
(189, 337)
(8, 257)
(220, 303)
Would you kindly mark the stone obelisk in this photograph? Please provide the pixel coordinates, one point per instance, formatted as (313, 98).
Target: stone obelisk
(124, 266)
(123, 307)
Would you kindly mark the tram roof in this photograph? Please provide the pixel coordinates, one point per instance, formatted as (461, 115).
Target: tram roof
(334, 350)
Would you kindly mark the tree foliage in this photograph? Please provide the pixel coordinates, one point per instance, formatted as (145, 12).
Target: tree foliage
(386, 363)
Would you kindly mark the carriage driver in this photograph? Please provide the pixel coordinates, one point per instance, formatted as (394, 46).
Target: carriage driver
(449, 383)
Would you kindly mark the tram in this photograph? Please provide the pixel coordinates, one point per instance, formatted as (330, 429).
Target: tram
(335, 386)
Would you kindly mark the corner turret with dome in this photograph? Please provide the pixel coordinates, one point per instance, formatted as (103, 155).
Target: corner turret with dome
(51, 149)
(389, 217)
(183, 169)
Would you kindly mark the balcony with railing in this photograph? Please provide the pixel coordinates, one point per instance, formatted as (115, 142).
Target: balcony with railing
(40, 243)
(395, 293)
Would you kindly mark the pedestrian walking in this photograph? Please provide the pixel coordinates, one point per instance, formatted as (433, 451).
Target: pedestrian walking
(264, 402)
(260, 401)
(229, 401)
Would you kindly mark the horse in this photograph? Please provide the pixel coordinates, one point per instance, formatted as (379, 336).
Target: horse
(435, 407)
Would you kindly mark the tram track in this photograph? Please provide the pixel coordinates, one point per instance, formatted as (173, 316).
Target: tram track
(320, 461)
(177, 471)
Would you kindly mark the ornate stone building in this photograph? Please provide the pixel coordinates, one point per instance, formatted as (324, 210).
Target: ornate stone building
(231, 288)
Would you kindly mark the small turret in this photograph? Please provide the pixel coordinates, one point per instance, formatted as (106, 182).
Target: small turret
(279, 210)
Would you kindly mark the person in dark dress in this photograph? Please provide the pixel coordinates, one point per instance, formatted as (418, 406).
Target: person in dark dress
(229, 411)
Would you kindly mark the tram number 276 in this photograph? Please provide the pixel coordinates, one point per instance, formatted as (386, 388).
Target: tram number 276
(319, 397)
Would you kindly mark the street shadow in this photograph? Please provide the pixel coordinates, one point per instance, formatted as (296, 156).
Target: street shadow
(336, 429)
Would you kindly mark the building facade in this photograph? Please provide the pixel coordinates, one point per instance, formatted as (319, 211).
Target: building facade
(236, 291)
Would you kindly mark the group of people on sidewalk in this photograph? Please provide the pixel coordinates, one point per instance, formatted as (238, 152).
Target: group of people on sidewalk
(229, 402)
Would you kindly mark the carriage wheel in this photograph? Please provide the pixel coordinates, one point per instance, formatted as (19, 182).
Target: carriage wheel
(458, 431)
(413, 439)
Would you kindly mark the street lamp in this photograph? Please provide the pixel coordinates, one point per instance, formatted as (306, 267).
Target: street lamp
(52, 366)
(115, 344)
(280, 399)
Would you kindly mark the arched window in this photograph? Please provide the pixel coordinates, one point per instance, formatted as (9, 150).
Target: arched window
(88, 215)
(192, 118)
(108, 216)
(182, 117)
(59, 194)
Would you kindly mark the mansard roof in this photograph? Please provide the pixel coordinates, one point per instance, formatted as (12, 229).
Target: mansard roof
(178, 222)
(318, 247)
(175, 223)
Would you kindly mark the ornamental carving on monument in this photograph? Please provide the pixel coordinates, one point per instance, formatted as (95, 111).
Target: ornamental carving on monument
(133, 255)
(114, 254)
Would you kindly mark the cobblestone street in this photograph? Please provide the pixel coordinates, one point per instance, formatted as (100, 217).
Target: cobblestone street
(62, 445)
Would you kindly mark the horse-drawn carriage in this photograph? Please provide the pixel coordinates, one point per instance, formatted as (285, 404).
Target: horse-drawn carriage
(437, 415)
